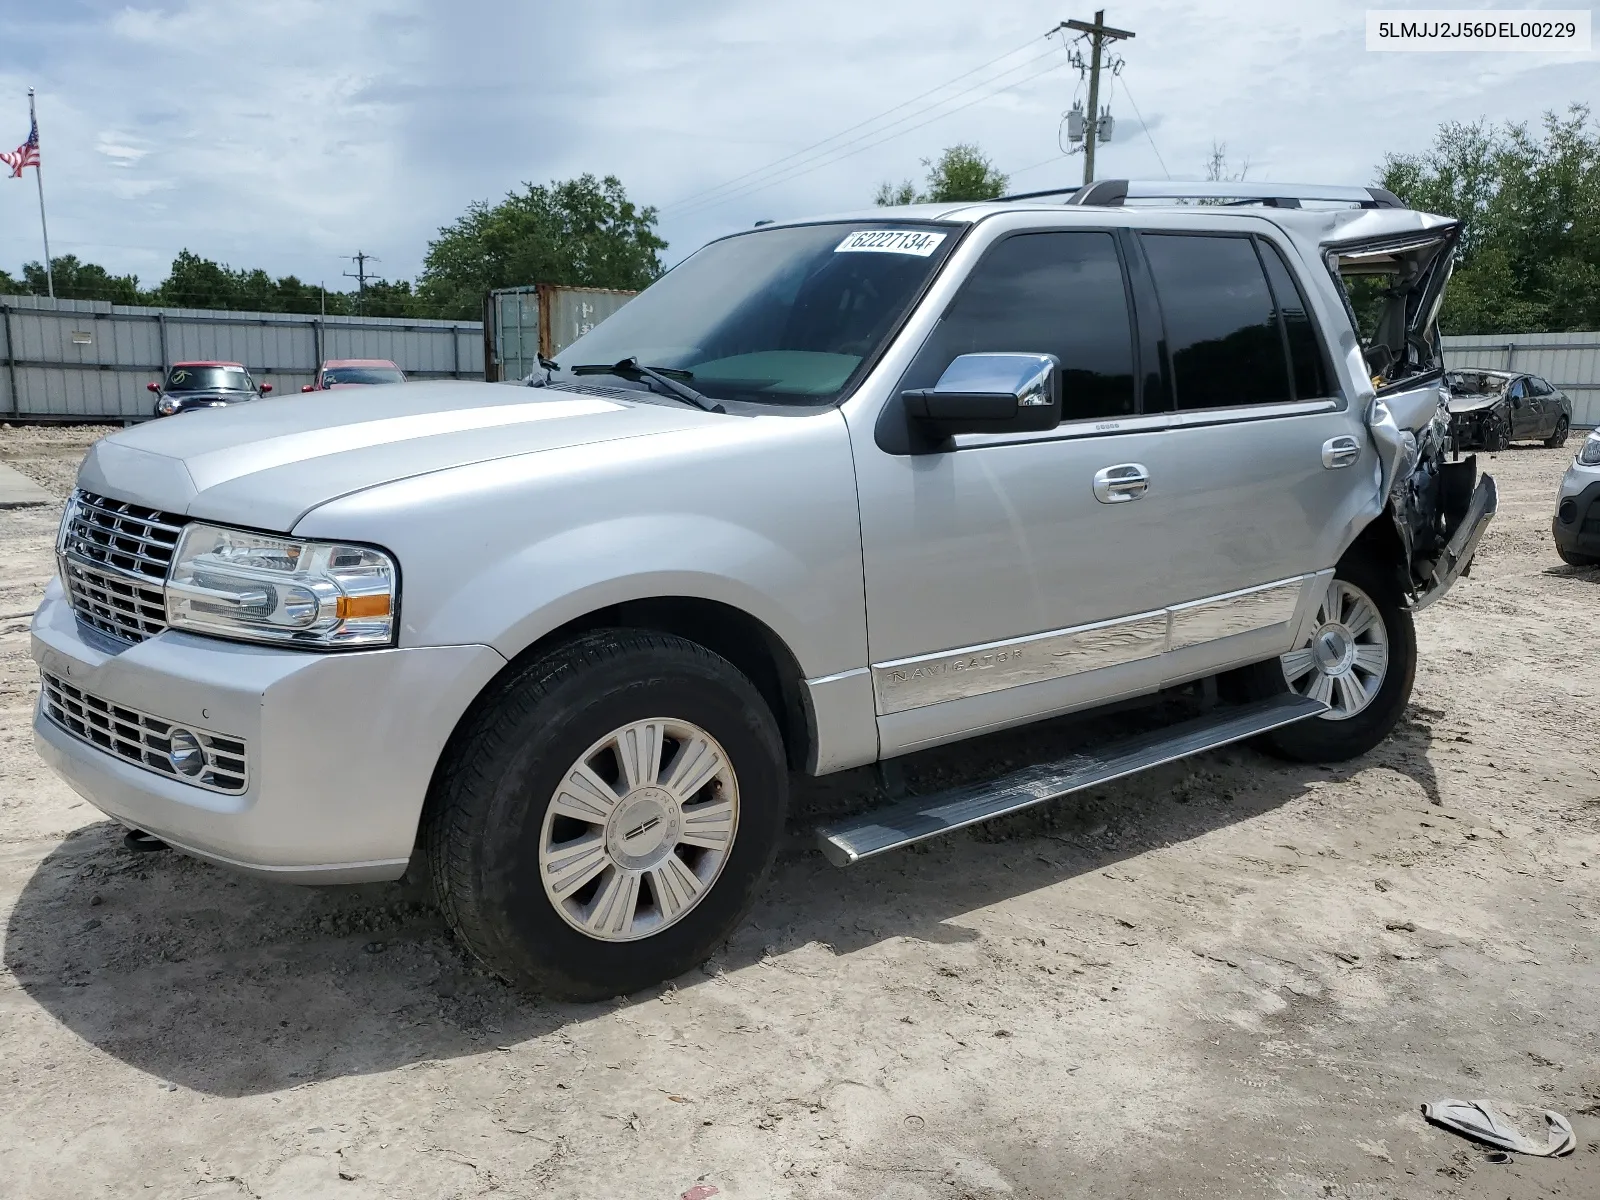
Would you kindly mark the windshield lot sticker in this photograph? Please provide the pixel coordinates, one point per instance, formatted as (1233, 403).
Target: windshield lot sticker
(890, 241)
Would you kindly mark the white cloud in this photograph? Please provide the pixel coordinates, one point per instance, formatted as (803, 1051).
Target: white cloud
(286, 133)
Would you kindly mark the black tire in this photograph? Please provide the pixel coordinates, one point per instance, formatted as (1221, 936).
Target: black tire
(1321, 739)
(1559, 438)
(1574, 559)
(489, 802)
(1497, 438)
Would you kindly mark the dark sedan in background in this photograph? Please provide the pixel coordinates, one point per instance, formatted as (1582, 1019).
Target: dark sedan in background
(192, 385)
(1491, 409)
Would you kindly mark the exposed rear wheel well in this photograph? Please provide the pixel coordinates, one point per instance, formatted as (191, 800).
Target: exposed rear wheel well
(1379, 544)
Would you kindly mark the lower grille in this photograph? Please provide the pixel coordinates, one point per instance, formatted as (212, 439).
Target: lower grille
(142, 739)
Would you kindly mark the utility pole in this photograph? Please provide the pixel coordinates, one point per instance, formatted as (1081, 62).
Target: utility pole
(361, 259)
(1100, 36)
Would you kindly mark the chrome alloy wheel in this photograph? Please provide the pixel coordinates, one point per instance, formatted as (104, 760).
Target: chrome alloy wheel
(1345, 663)
(639, 829)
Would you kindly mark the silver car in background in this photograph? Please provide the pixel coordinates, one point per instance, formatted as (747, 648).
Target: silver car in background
(828, 493)
(1576, 527)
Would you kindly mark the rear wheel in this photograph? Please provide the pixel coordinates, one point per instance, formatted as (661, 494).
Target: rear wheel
(607, 816)
(1559, 437)
(1361, 661)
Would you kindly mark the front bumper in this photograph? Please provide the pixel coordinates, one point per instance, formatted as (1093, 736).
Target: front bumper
(1470, 430)
(1576, 526)
(341, 747)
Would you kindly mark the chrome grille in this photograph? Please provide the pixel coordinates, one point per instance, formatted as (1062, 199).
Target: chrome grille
(114, 559)
(142, 739)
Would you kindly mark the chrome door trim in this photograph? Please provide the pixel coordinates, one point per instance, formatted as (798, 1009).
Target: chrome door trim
(1217, 617)
(909, 683)
(1154, 422)
(958, 674)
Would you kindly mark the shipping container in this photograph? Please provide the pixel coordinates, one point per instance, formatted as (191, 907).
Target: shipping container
(90, 360)
(522, 323)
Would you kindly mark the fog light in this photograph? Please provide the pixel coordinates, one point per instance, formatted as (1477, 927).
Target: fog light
(1567, 512)
(185, 753)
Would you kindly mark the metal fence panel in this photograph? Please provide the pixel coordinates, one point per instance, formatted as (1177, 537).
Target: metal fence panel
(83, 359)
(1569, 361)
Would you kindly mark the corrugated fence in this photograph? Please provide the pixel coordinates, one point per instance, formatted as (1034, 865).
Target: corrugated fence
(86, 359)
(1568, 361)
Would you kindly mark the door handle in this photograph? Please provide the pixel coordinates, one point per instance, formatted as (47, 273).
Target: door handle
(1121, 483)
(1340, 452)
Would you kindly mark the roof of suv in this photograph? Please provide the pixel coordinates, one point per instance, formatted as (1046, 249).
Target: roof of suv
(1312, 224)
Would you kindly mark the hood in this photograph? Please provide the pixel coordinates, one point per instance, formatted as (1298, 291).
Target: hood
(267, 463)
(1466, 404)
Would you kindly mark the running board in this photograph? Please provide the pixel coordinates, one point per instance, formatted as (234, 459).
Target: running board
(923, 817)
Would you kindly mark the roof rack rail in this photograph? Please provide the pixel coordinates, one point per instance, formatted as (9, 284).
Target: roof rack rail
(1061, 191)
(1114, 192)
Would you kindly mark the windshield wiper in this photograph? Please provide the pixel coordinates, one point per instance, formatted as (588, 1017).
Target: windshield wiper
(632, 368)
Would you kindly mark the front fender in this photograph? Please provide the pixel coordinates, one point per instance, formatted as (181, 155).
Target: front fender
(516, 601)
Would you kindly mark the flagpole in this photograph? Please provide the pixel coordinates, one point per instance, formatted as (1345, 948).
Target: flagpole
(38, 177)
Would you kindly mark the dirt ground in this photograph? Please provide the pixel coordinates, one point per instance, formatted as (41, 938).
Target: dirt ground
(1227, 978)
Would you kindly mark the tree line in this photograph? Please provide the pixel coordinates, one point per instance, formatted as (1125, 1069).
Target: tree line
(1529, 257)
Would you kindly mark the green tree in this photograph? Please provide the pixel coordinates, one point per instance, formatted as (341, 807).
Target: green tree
(962, 172)
(74, 280)
(583, 232)
(1529, 203)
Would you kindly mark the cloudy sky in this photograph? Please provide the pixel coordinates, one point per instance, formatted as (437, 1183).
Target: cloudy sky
(287, 133)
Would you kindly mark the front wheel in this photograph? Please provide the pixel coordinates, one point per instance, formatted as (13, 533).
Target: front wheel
(1361, 661)
(607, 815)
(1559, 438)
(1574, 559)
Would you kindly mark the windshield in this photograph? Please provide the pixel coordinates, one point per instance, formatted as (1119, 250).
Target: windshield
(780, 316)
(1467, 383)
(208, 379)
(335, 375)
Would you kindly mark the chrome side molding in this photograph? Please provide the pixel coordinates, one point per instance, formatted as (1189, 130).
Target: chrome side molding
(907, 683)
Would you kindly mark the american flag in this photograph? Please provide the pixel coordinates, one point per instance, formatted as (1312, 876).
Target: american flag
(25, 155)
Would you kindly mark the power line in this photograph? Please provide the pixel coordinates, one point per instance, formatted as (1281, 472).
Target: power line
(835, 137)
(800, 169)
(833, 153)
(1145, 126)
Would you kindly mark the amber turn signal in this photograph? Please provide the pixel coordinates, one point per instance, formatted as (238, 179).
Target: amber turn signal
(362, 606)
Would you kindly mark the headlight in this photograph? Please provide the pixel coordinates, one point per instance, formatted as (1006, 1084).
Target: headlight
(1589, 455)
(322, 595)
(166, 406)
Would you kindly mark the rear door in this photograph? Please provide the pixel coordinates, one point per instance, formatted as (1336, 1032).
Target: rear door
(1524, 409)
(1264, 454)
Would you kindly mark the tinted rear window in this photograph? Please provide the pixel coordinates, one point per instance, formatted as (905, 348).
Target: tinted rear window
(1220, 319)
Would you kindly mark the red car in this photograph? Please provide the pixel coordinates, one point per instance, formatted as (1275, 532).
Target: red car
(353, 372)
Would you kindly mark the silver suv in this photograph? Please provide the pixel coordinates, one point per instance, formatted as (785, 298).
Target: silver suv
(828, 493)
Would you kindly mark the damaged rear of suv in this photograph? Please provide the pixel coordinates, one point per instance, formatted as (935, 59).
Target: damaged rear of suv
(1437, 508)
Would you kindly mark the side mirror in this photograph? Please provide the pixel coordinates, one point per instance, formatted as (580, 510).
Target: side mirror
(265, 388)
(1516, 402)
(152, 387)
(308, 388)
(991, 393)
